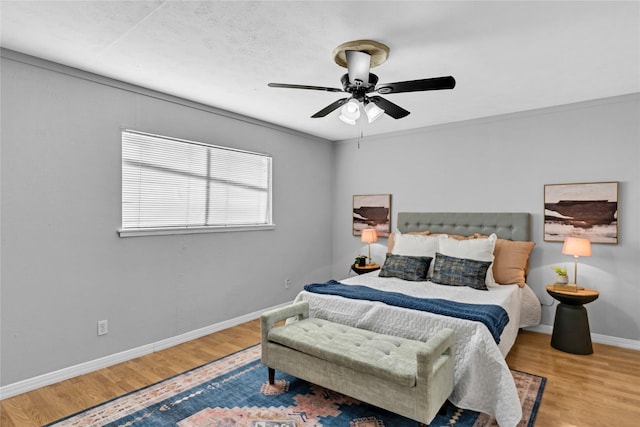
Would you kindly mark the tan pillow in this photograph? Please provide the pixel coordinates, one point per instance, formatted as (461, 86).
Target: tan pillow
(391, 240)
(458, 236)
(511, 261)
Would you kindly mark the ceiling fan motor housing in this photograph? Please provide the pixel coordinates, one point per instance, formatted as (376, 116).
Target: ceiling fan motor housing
(359, 89)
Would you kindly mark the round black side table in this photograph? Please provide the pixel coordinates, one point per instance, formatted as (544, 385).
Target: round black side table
(571, 332)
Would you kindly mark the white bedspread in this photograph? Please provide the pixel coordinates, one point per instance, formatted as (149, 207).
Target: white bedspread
(483, 381)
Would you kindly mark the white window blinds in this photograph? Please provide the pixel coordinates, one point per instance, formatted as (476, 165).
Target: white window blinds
(174, 183)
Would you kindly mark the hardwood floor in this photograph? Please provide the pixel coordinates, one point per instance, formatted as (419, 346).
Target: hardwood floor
(602, 389)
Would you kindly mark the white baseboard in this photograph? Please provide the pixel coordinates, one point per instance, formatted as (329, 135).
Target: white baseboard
(93, 365)
(598, 338)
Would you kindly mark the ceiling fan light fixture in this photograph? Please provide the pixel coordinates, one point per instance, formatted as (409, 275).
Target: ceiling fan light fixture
(373, 111)
(350, 112)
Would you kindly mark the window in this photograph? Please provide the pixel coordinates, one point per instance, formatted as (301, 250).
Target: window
(176, 186)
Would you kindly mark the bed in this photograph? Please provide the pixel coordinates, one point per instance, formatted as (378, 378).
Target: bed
(493, 246)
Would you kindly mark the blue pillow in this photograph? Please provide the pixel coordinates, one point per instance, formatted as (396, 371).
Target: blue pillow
(406, 267)
(448, 270)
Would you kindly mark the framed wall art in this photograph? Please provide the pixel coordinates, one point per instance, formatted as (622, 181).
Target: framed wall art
(587, 210)
(372, 211)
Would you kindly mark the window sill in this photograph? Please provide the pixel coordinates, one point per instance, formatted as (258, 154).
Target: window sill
(192, 230)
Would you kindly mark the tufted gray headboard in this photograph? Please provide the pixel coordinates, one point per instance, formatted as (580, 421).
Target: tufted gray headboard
(506, 225)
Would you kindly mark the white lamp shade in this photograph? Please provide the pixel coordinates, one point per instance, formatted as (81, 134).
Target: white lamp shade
(373, 111)
(347, 120)
(369, 235)
(577, 246)
(350, 112)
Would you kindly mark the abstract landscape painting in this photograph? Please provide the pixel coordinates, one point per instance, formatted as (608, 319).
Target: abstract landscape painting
(587, 210)
(372, 211)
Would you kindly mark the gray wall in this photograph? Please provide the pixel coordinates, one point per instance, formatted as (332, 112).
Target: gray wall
(502, 164)
(63, 265)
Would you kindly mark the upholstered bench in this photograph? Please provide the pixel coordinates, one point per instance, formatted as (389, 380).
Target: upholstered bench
(408, 377)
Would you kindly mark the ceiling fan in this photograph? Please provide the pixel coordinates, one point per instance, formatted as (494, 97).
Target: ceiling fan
(358, 57)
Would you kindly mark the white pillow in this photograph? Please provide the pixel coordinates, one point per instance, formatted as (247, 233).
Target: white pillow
(476, 249)
(415, 245)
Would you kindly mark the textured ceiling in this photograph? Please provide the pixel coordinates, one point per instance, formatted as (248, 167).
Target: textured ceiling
(506, 56)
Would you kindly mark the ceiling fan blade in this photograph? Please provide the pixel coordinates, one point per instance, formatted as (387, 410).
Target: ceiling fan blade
(389, 107)
(329, 108)
(288, 86)
(358, 64)
(435, 83)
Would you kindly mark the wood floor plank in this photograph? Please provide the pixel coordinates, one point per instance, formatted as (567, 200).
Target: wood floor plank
(602, 389)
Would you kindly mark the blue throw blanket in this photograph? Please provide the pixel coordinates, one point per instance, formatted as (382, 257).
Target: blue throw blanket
(494, 317)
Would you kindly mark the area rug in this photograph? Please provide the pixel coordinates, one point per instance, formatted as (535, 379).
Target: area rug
(234, 392)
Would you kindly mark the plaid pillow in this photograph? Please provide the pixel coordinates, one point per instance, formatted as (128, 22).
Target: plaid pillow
(406, 267)
(448, 270)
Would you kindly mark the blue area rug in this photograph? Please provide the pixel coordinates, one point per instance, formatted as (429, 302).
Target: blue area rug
(234, 392)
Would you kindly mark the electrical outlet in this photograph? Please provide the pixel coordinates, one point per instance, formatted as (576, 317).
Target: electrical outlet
(103, 327)
(287, 283)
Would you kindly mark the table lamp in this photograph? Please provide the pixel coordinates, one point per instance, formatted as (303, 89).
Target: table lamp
(369, 236)
(576, 246)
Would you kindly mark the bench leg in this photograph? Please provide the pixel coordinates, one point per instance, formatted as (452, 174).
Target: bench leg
(272, 375)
